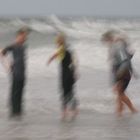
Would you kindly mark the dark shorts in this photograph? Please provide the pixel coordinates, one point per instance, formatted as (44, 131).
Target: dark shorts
(68, 94)
(68, 97)
(124, 81)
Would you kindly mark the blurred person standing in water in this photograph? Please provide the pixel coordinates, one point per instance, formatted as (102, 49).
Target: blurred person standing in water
(68, 76)
(121, 66)
(17, 70)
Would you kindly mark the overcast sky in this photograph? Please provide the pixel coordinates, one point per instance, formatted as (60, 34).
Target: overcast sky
(70, 7)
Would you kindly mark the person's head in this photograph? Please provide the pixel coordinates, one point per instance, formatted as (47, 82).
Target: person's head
(109, 37)
(61, 39)
(21, 35)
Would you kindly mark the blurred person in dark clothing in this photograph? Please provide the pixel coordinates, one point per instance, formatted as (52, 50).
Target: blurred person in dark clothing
(68, 76)
(17, 69)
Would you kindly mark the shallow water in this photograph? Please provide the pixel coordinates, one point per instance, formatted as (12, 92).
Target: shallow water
(97, 102)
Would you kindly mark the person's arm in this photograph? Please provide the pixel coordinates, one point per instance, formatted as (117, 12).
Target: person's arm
(59, 52)
(76, 66)
(130, 54)
(134, 72)
(54, 56)
(5, 62)
(124, 55)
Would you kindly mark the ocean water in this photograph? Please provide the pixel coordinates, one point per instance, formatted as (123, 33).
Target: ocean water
(93, 88)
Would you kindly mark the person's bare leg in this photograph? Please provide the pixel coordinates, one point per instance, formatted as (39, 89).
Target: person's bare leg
(127, 101)
(74, 112)
(64, 113)
(120, 106)
(75, 108)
